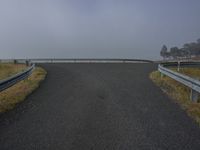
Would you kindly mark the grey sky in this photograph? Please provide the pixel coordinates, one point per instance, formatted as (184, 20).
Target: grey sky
(95, 28)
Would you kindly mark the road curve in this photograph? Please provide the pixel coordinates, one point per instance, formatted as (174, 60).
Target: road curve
(98, 107)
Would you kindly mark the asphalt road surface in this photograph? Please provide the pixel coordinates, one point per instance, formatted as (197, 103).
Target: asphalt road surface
(98, 107)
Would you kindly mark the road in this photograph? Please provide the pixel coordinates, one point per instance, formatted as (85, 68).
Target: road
(98, 107)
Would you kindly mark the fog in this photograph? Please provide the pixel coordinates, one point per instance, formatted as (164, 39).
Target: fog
(95, 28)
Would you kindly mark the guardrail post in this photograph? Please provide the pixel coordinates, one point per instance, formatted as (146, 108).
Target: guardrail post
(194, 95)
(161, 75)
(15, 61)
(178, 69)
(27, 63)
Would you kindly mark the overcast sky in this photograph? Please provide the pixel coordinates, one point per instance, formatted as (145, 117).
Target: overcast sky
(95, 28)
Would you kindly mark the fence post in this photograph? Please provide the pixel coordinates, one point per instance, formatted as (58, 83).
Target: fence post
(194, 95)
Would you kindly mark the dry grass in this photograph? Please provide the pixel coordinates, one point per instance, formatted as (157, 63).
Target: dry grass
(9, 69)
(192, 72)
(17, 93)
(179, 92)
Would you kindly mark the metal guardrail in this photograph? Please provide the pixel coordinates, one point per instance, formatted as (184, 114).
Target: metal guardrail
(89, 60)
(85, 60)
(193, 84)
(181, 63)
(4, 84)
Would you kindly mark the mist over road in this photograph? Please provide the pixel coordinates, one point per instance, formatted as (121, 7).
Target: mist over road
(100, 107)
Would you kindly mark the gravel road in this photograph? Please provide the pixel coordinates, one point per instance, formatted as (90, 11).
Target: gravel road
(98, 107)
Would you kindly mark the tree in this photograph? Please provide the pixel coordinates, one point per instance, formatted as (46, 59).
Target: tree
(198, 41)
(188, 50)
(192, 48)
(198, 46)
(163, 52)
(175, 52)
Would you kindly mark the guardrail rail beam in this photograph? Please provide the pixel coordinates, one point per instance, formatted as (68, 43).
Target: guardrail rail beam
(6, 83)
(193, 84)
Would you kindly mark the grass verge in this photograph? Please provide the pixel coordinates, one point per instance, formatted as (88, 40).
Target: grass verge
(17, 93)
(8, 69)
(191, 72)
(178, 92)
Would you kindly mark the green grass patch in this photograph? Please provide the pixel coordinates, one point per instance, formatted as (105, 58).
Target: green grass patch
(178, 92)
(17, 93)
